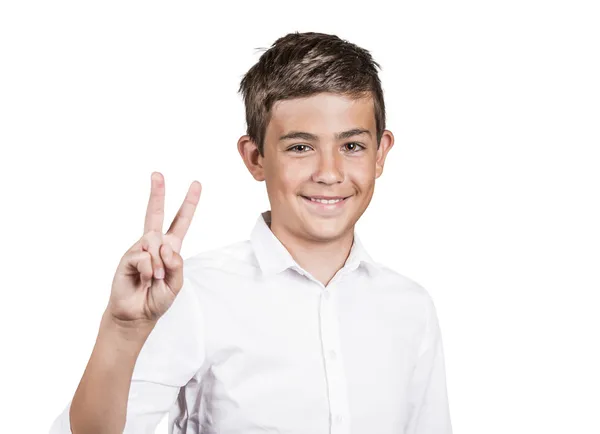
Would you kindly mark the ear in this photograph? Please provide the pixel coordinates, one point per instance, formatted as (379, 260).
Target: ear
(386, 143)
(252, 159)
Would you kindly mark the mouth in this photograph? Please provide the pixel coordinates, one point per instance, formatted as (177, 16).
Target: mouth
(322, 205)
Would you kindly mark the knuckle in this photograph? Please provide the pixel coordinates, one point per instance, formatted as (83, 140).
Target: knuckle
(151, 237)
(136, 257)
(143, 243)
(145, 256)
(129, 255)
(156, 239)
(152, 242)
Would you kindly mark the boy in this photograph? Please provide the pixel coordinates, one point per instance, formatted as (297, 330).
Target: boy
(296, 330)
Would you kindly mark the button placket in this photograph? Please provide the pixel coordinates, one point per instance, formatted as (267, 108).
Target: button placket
(336, 383)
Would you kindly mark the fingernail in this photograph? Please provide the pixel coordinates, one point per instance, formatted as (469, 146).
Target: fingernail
(159, 273)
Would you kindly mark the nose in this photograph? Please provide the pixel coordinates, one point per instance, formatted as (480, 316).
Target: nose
(328, 168)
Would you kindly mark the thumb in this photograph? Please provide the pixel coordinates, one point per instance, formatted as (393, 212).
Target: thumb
(173, 266)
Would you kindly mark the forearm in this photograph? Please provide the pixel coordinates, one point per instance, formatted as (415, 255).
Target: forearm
(99, 405)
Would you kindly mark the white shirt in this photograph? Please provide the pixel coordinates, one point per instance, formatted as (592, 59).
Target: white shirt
(253, 343)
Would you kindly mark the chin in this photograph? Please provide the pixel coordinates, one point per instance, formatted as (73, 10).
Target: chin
(327, 229)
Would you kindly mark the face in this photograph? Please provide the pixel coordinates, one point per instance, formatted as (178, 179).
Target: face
(321, 146)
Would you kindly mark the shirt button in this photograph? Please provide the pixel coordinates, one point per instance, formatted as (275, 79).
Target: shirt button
(339, 418)
(326, 295)
(332, 354)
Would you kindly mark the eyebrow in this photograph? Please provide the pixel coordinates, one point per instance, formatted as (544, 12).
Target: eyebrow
(339, 136)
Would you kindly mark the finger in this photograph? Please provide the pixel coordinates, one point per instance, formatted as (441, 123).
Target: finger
(156, 204)
(151, 243)
(183, 219)
(141, 262)
(172, 260)
(173, 266)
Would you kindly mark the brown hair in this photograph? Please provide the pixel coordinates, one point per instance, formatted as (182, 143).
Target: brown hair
(304, 64)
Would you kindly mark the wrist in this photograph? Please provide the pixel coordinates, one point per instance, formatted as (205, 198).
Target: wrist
(135, 330)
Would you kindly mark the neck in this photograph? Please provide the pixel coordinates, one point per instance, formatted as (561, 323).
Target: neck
(322, 259)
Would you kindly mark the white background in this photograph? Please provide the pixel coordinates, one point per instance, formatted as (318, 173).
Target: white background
(489, 198)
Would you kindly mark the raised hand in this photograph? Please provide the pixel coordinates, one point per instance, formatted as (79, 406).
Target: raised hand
(150, 274)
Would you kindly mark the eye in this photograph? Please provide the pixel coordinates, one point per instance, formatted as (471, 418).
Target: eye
(298, 146)
(357, 147)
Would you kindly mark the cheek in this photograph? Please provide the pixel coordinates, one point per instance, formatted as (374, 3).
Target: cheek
(295, 174)
(362, 173)
(288, 176)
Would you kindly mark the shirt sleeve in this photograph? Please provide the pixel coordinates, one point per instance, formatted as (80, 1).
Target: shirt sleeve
(428, 399)
(173, 353)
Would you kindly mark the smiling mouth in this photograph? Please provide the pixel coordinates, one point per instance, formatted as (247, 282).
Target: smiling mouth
(326, 201)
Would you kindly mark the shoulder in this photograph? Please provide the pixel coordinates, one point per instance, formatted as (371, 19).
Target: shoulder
(232, 260)
(397, 285)
(393, 278)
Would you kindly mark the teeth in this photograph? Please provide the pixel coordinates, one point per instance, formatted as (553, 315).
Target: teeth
(326, 201)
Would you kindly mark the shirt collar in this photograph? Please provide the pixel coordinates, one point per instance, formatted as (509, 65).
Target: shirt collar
(273, 257)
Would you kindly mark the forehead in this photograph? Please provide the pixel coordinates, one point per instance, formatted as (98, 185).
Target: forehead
(324, 112)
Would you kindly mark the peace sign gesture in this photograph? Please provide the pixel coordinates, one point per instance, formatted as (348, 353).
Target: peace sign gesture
(150, 274)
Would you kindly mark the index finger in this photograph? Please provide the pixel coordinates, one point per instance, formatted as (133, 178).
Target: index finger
(155, 213)
(183, 219)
